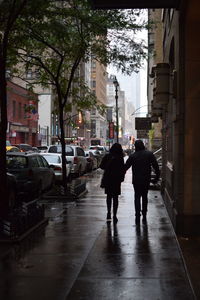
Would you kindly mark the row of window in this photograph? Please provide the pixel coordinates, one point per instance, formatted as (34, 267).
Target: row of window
(18, 110)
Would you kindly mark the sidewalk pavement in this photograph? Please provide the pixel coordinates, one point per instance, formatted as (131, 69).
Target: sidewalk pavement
(190, 248)
(79, 256)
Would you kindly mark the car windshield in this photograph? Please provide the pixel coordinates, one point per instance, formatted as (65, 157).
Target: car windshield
(16, 162)
(52, 159)
(57, 149)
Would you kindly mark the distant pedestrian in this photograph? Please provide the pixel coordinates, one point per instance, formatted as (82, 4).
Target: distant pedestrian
(141, 161)
(113, 166)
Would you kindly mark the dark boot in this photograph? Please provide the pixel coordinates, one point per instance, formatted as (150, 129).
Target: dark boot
(115, 208)
(144, 219)
(115, 220)
(108, 217)
(137, 220)
(109, 202)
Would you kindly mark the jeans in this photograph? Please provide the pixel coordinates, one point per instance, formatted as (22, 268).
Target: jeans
(141, 191)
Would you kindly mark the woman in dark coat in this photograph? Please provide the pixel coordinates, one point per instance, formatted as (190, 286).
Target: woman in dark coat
(113, 166)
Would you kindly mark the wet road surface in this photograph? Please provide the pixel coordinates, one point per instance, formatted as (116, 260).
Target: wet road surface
(79, 256)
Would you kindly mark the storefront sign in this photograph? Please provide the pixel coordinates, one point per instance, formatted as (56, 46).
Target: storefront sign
(19, 128)
(142, 123)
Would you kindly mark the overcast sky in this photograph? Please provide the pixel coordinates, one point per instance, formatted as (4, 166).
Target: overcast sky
(126, 82)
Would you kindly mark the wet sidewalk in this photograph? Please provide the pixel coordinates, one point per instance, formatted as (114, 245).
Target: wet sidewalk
(79, 256)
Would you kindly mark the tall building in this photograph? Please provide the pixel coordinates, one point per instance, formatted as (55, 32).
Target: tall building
(136, 90)
(98, 85)
(130, 131)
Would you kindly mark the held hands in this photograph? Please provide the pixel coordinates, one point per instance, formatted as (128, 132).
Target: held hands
(154, 181)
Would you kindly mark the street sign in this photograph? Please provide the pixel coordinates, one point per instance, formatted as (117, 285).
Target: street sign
(142, 123)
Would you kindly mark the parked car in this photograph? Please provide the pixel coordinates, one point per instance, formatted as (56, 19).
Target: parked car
(35, 149)
(55, 160)
(75, 154)
(12, 190)
(92, 162)
(43, 149)
(102, 149)
(24, 147)
(97, 155)
(12, 149)
(33, 174)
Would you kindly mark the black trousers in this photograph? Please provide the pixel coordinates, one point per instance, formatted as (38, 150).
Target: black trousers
(141, 192)
(109, 203)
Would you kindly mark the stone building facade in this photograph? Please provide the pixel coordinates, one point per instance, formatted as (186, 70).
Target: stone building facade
(177, 91)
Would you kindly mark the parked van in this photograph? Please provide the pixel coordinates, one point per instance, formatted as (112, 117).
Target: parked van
(75, 154)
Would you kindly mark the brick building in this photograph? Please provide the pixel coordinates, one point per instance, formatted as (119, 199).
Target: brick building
(22, 108)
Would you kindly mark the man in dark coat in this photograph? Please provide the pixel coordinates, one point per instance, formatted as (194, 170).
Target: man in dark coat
(142, 161)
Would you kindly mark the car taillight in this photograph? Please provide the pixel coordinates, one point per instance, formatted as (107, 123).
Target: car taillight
(57, 169)
(75, 160)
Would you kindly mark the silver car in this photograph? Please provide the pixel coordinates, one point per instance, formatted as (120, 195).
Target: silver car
(55, 160)
(75, 154)
(33, 174)
(102, 149)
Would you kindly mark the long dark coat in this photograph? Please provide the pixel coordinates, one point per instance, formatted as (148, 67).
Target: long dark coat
(142, 161)
(113, 166)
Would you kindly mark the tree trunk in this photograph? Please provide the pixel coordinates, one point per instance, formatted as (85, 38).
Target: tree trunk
(4, 206)
(62, 140)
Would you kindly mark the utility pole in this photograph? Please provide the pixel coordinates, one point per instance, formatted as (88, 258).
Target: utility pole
(116, 84)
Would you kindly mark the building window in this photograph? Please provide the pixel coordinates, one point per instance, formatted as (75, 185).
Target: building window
(24, 111)
(93, 83)
(14, 109)
(19, 110)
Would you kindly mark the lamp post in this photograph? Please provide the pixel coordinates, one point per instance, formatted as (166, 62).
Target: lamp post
(116, 84)
(134, 113)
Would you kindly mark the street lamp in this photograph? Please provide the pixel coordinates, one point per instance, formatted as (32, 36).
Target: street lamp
(134, 113)
(116, 84)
